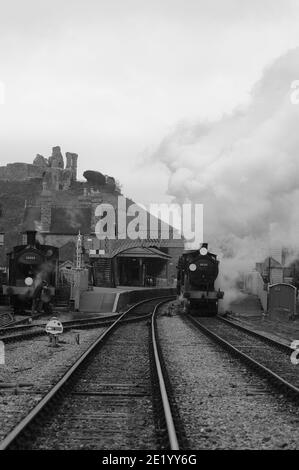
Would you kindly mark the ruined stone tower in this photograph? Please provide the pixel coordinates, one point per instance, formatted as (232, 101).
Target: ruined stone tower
(72, 163)
(51, 170)
(56, 159)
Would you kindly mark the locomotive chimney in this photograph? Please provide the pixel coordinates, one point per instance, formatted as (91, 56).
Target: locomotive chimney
(31, 237)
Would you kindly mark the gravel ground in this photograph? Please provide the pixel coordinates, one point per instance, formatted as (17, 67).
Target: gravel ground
(286, 331)
(222, 404)
(266, 354)
(110, 406)
(31, 368)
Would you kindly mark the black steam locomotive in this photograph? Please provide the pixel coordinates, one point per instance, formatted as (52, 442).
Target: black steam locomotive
(32, 274)
(197, 273)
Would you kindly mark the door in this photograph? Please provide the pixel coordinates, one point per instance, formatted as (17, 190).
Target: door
(282, 299)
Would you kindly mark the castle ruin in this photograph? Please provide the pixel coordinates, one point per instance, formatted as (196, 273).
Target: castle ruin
(52, 170)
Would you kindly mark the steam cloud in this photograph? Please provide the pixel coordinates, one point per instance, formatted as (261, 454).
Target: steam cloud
(244, 168)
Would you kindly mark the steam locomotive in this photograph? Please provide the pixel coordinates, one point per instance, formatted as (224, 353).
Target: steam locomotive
(32, 273)
(197, 273)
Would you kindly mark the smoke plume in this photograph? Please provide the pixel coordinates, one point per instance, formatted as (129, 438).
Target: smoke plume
(244, 168)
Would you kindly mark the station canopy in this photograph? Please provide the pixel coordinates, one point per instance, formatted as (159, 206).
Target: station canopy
(144, 252)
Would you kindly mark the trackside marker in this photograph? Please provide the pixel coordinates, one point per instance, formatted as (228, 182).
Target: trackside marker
(54, 328)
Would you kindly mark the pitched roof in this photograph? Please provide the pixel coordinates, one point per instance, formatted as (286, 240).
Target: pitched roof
(144, 252)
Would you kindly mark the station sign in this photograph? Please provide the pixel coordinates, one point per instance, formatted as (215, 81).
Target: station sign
(96, 253)
(54, 326)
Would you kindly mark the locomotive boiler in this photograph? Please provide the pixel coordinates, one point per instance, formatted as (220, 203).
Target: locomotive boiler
(196, 281)
(32, 274)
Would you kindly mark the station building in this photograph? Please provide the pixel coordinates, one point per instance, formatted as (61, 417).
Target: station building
(49, 199)
(144, 261)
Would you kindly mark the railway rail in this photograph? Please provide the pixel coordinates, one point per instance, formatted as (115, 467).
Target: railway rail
(6, 319)
(15, 333)
(221, 402)
(106, 381)
(277, 329)
(269, 358)
(277, 342)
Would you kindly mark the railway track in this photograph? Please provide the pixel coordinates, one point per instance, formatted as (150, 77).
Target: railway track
(15, 333)
(280, 343)
(113, 396)
(223, 404)
(282, 331)
(6, 319)
(268, 357)
(12, 329)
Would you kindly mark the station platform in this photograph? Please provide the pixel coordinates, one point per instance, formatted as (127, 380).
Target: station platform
(103, 299)
(104, 302)
(101, 302)
(100, 299)
(248, 305)
(109, 299)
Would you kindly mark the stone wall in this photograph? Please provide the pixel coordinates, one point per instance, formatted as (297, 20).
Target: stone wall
(52, 170)
(20, 172)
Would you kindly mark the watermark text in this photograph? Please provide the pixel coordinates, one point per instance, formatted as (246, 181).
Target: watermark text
(2, 93)
(158, 221)
(294, 97)
(295, 353)
(2, 353)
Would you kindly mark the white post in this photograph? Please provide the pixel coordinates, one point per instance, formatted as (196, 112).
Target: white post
(77, 289)
(79, 251)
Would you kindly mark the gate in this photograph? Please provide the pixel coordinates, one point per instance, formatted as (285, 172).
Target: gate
(282, 300)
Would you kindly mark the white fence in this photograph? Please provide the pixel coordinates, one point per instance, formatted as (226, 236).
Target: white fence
(254, 284)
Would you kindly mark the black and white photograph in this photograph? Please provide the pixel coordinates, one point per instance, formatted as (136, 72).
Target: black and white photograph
(149, 230)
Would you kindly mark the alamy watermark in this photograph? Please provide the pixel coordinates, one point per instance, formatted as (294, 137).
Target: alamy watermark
(157, 221)
(2, 93)
(295, 92)
(2, 353)
(295, 353)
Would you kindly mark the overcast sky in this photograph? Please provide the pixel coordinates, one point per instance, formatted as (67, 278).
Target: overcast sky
(109, 79)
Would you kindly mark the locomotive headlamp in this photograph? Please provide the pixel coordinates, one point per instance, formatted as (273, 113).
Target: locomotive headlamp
(28, 281)
(203, 251)
(192, 267)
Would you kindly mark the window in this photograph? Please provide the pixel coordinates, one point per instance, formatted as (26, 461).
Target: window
(1, 239)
